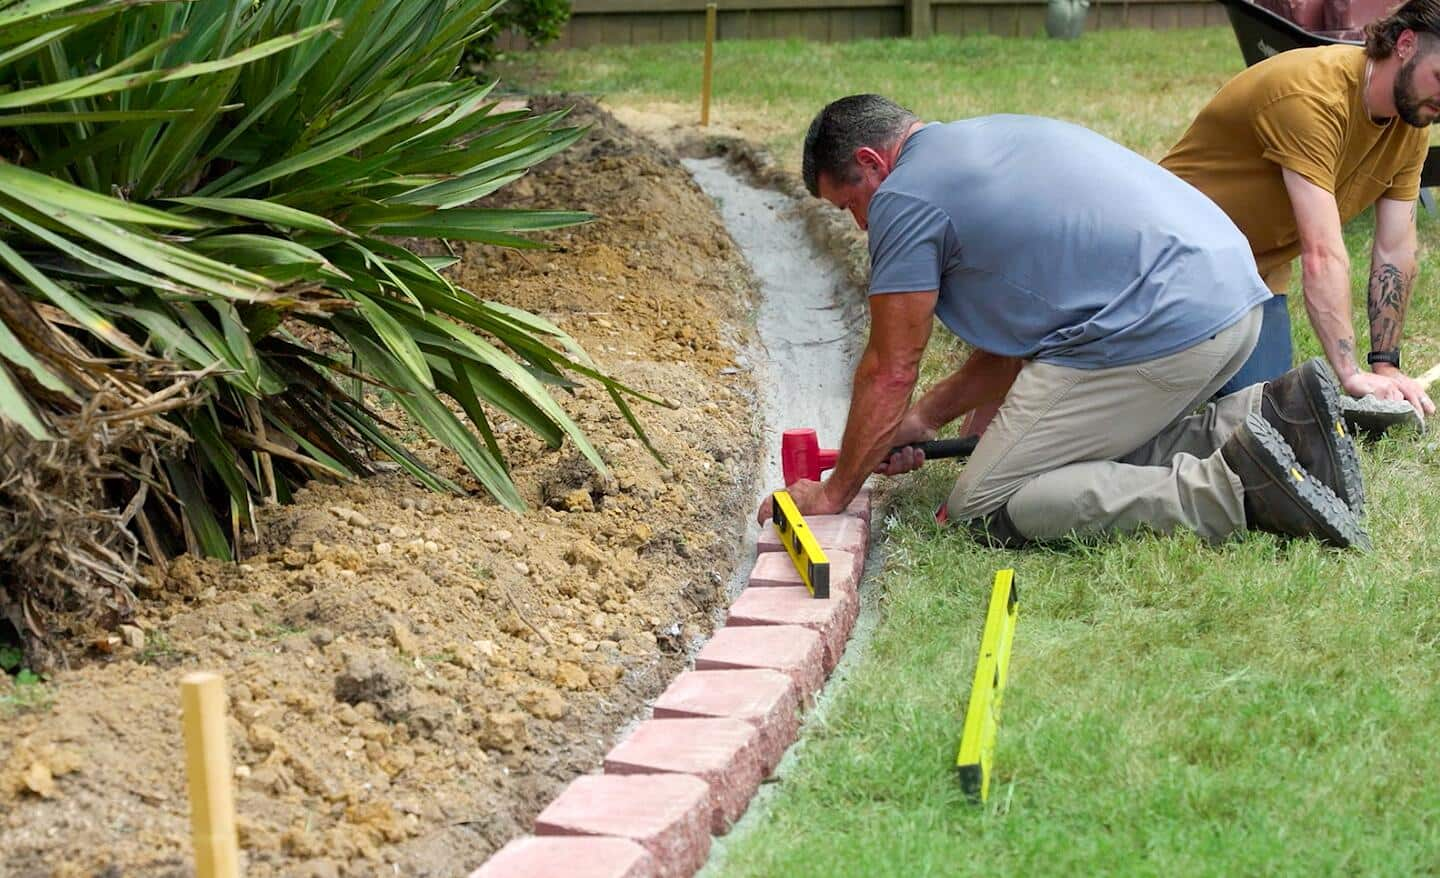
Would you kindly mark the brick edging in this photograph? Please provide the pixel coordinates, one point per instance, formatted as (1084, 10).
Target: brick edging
(716, 732)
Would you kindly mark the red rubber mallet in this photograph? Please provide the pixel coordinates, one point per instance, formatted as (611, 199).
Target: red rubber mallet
(801, 456)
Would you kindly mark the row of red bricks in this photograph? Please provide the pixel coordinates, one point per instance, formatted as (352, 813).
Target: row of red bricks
(717, 731)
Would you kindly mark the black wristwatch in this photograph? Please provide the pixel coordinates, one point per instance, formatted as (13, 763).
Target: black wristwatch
(1391, 357)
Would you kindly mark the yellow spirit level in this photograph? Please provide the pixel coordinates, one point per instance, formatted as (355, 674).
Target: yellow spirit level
(982, 717)
(802, 546)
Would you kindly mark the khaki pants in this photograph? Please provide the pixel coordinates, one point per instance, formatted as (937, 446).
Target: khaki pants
(1075, 451)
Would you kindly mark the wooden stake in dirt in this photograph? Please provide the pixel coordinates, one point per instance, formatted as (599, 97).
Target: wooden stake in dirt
(1429, 377)
(709, 64)
(207, 765)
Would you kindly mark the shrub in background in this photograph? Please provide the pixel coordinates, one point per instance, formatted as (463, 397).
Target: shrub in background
(538, 21)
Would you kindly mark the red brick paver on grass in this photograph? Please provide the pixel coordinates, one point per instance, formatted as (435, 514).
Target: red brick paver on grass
(717, 732)
(569, 857)
(845, 533)
(667, 814)
(776, 570)
(794, 650)
(764, 698)
(860, 506)
(831, 618)
(722, 751)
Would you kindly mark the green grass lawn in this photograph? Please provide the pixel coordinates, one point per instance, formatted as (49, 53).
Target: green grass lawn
(1137, 87)
(1256, 708)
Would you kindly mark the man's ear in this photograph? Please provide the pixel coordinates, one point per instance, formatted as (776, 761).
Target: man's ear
(870, 159)
(1406, 44)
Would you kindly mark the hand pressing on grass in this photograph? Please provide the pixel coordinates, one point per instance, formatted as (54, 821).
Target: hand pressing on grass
(811, 498)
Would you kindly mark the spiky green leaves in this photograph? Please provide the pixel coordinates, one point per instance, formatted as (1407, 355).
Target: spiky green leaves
(194, 182)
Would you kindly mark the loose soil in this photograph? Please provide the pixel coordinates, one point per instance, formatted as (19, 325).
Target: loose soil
(411, 676)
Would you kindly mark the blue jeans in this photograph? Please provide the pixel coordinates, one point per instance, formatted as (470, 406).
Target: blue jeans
(1273, 351)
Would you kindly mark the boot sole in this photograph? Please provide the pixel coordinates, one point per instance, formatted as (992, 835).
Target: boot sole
(1325, 405)
(1336, 524)
(1375, 416)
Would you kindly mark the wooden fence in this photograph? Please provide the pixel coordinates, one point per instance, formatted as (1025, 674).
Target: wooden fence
(628, 22)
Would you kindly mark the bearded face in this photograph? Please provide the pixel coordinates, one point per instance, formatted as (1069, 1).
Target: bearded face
(1417, 88)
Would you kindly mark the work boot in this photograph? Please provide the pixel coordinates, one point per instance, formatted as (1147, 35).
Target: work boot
(1305, 407)
(997, 531)
(1372, 417)
(1280, 496)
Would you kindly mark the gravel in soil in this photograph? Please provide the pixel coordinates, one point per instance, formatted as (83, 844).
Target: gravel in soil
(412, 676)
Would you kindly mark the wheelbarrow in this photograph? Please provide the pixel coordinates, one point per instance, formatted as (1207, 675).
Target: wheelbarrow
(1263, 32)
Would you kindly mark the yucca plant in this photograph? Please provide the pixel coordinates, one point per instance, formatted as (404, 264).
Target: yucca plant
(201, 208)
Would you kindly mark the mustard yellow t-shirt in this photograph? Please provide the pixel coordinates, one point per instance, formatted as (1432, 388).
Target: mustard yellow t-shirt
(1301, 110)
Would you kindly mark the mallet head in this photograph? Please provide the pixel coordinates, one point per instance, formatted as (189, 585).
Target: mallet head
(801, 456)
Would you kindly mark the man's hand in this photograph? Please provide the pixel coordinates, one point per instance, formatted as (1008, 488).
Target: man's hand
(1408, 389)
(913, 428)
(1370, 384)
(811, 498)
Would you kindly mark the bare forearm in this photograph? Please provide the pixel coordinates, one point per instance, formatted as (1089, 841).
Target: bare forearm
(879, 400)
(983, 378)
(1327, 300)
(1392, 277)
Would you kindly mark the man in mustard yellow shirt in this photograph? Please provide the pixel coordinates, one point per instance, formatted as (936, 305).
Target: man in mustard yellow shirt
(1297, 145)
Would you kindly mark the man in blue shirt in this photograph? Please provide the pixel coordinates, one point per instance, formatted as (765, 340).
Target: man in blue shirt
(1116, 297)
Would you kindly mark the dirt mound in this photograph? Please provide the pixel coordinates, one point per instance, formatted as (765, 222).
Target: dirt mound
(413, 676)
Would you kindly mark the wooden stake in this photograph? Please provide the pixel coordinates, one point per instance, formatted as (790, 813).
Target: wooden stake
(709, 64)
(1429, 377)
(207, 765)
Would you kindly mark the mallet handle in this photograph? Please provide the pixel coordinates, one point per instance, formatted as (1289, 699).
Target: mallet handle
(944, 447)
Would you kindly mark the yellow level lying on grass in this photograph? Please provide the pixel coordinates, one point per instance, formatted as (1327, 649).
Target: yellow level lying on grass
(982, 717)
(800, 543)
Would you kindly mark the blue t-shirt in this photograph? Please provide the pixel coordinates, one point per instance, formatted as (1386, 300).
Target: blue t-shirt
(1047, 241)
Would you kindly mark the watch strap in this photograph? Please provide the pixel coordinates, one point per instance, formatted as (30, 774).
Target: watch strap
(1391, 357)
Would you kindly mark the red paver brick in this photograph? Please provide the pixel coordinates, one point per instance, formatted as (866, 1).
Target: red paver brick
(722, 751)
(775, 569)
(860, 506)
(845, 533)
(790, 649)
(667, 814)
(569, 857)
(831, 618)
(766, 699)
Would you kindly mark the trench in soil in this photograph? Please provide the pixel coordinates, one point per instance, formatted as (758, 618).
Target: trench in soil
(809, 347)
(810, 339)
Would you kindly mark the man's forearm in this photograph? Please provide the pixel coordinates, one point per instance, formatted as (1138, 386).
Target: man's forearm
(880, 398)
(1392, 277)
(983, 378)
(1327, 300)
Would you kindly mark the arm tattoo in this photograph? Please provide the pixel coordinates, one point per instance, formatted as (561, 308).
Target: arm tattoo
(1346, 346)
(1389, 297)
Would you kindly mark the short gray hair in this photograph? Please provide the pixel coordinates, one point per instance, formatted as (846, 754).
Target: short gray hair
(843, 127)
